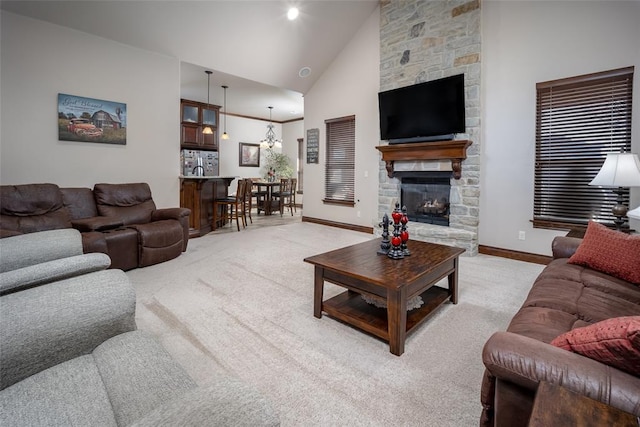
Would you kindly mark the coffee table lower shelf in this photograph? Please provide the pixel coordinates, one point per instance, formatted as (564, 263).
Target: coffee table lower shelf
(350, 308)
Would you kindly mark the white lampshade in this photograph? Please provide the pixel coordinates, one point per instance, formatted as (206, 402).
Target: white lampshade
(619, 170)
(635, 214)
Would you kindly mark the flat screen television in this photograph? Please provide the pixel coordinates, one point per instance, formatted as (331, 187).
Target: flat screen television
(429, 111)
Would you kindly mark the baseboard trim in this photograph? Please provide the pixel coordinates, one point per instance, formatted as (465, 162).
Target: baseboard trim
(360, 228)
(486, 250)
(517, 255)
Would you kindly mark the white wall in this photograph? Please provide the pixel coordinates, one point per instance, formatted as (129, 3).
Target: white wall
(40, 60)
(252, 131)
(290, 133)
(349, 87)
(523, 43)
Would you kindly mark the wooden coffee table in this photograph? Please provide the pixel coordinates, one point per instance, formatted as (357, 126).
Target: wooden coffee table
(363, 272)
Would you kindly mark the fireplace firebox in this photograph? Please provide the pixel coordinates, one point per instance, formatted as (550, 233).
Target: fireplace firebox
(426, 196)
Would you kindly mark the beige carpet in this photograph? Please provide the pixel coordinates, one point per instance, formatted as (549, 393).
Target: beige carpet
(242, 303)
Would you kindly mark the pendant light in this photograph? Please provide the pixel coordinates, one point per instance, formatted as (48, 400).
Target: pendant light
(207, 129)
(225, 135)
(270, 139)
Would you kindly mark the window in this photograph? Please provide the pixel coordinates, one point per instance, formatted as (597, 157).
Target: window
(578, 121)
(339, 181)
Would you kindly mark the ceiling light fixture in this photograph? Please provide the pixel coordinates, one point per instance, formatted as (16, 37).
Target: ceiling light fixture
(225, 135)
(207, 129)
(270, 139)
(304, 72)
(292, 13)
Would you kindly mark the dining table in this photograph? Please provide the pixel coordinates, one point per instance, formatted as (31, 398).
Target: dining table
(267, 188)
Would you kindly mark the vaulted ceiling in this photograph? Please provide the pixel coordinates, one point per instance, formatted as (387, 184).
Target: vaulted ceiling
(250, 45)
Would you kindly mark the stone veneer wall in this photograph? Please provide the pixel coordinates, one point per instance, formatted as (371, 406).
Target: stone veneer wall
(420, 41)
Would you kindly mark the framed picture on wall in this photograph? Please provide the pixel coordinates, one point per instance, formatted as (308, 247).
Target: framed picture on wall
(91, 120)
(249, 154)
(313, 145)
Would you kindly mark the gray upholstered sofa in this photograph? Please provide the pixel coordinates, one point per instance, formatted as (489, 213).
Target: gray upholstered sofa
(71, 355)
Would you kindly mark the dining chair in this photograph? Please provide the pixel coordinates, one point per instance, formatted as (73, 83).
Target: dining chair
(283, 195)
(247, 201)
(260, 194)
(294, 186)
(232, 207)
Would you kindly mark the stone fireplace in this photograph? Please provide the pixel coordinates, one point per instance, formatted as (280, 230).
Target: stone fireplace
(434, 162)
(422, 41)
(426, 196)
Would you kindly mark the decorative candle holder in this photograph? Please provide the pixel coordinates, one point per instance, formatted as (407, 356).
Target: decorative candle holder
(396, 252)
(386, 243)
(404, 234)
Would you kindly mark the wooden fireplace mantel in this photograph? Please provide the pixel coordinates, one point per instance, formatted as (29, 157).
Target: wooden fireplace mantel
(456, 151)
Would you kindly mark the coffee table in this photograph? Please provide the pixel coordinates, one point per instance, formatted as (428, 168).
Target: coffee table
(360, 270)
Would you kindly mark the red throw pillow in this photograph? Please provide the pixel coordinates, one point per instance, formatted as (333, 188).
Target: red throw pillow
(615, 342)
(610, 251)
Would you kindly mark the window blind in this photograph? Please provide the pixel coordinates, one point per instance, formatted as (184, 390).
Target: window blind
(340, 160)
(578, 121)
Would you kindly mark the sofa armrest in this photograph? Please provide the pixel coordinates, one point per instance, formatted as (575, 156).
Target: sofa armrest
(170, 213)
(525, 362)
(51, 271)
(56, 322)
(564, 247)
(96, 223)
(228, 402)
(4, 232)
(34, 248)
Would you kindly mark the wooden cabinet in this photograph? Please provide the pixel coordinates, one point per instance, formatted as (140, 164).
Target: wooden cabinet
(195, 116)
(197, 194)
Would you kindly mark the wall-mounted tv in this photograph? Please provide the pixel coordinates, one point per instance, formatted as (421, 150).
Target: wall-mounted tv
(429, 111)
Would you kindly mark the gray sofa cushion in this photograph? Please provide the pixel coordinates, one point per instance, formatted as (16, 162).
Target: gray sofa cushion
(53, 323)
(228, 402)
(124, 378)
(69, 394)
(50, 271)
(139, 375)
(34, 248)
(130, 379)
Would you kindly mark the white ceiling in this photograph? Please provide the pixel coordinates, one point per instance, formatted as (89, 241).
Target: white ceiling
(250, 46)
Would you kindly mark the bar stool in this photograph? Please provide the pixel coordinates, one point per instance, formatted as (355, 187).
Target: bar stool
(232, 207)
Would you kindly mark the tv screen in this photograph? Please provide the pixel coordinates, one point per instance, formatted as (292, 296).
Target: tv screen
(425, 111)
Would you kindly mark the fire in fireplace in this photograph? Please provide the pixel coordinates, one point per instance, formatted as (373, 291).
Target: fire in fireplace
(426, 196)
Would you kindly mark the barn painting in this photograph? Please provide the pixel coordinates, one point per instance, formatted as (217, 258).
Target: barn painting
(91, 120)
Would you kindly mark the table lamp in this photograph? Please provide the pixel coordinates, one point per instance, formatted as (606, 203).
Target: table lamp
(619, 170)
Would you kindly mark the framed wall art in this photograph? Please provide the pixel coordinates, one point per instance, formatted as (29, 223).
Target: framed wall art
(249, 154)
(91, 120)
(313, 145)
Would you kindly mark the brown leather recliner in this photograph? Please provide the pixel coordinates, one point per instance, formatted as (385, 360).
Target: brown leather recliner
(121, 244)
(162, 233)
(29, 208)
(131, 231)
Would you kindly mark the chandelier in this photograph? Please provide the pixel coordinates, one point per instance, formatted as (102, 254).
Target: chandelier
(270, 139)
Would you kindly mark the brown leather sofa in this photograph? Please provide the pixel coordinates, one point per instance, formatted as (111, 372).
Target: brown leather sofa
(120, 220)
(563, 297)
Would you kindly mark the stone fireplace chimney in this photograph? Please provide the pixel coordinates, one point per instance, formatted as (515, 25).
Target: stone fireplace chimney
(424, 41)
